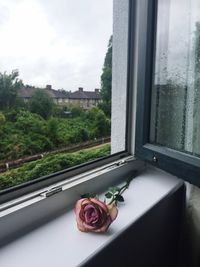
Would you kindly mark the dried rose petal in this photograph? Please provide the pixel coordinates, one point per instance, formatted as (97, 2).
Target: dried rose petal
(93, 215)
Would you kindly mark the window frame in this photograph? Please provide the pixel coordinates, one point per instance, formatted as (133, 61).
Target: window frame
(183, 165)
(39, 183)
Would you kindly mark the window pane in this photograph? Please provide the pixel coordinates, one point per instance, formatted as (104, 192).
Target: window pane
(175, 116)
(55, 86)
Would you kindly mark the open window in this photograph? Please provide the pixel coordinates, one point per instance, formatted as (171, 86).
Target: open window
(50, 133)
(168, 87)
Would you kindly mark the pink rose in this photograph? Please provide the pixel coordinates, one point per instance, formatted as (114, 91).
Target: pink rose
(93, 215)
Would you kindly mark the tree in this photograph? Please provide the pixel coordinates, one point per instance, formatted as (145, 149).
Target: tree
(41, 104)
(76, 111)
(106, 81)
(9, 85)
(2, 121)
(102, 125)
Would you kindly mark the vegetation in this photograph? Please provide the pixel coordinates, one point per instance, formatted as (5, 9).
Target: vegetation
(41, 104)
(24, 133)
(37, 126)
(9, 85)
(106, 81)
(49, 165)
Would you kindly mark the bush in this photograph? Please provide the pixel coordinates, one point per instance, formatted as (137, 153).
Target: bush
(49, 165)
(52, 130)
(29, 122)
(91, 114)
(41, 104)
(24, 133)
(102, 125)
(76, 111)
(2, 119)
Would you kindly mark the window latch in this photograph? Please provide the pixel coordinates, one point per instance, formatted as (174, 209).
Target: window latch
(122, 162)
(51, 191)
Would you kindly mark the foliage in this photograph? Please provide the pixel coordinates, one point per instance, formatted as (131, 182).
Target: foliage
(52, 130)
(59, 111)
(50, 164)
(41, 104)
(25, 133)
(30, 122)
(106, 81)
(9, 85)
(2, 119)
(102, 125)
(91, 114)
(76, 111)
(114, 195)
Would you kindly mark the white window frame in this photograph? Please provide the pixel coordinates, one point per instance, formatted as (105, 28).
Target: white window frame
(50, 200)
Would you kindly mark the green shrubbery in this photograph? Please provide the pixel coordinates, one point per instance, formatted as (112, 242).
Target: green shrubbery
(49, 165)
(41, 104)
(23, 133)
(37, 126)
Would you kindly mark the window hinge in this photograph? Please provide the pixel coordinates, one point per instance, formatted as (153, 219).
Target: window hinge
(122, 162)
(125, 161)
(51, 191)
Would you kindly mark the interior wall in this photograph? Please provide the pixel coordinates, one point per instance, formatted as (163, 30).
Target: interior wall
(192, 227)
(119, 74)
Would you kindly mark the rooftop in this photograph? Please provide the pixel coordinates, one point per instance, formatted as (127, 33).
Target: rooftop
(28, 91)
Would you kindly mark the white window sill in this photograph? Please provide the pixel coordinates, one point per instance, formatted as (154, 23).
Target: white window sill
(59, 243)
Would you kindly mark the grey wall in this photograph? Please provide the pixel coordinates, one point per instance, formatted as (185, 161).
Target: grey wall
(119, 74)
(191, 240)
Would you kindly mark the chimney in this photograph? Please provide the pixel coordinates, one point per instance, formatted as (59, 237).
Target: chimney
(48, 87)
(80, 89)
(96, 90)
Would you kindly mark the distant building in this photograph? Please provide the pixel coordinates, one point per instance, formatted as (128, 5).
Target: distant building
(85, 99)
(81, 98)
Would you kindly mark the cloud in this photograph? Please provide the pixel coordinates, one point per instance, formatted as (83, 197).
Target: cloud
(61, 42)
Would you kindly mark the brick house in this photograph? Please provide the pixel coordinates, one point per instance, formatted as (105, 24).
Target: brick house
(81, 98)
(85, 99)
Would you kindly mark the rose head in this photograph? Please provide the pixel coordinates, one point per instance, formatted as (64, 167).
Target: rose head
(93, 215)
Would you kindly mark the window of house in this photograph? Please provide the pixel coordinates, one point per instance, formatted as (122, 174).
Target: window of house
(49, 58)
(169, 99)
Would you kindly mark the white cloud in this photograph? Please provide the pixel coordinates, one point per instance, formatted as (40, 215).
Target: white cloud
(62, 43)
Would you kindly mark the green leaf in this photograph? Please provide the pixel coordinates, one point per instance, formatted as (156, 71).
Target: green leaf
(114, 189)
(117, 189)
(119, 198)
(108, 195)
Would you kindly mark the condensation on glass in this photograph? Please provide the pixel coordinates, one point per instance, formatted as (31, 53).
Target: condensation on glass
(175, 111)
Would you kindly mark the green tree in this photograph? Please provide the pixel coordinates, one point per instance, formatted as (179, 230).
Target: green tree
(76, 111)
(91, 114)
(9, 85)
(106, 81)
(2, 119)
(102, 125)
(28, 123)
(53, 130)
(41, 104)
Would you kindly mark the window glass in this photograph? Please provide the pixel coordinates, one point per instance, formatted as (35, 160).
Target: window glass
(55, 86)
(175, 116)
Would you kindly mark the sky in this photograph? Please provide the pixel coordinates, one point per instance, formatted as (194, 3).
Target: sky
(57, 42)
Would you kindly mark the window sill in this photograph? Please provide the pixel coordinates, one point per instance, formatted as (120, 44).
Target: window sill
(58, 242)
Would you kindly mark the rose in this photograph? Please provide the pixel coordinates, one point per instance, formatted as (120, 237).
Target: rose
(93, 215)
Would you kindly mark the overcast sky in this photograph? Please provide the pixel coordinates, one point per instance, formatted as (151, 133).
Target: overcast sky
(57, 42)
